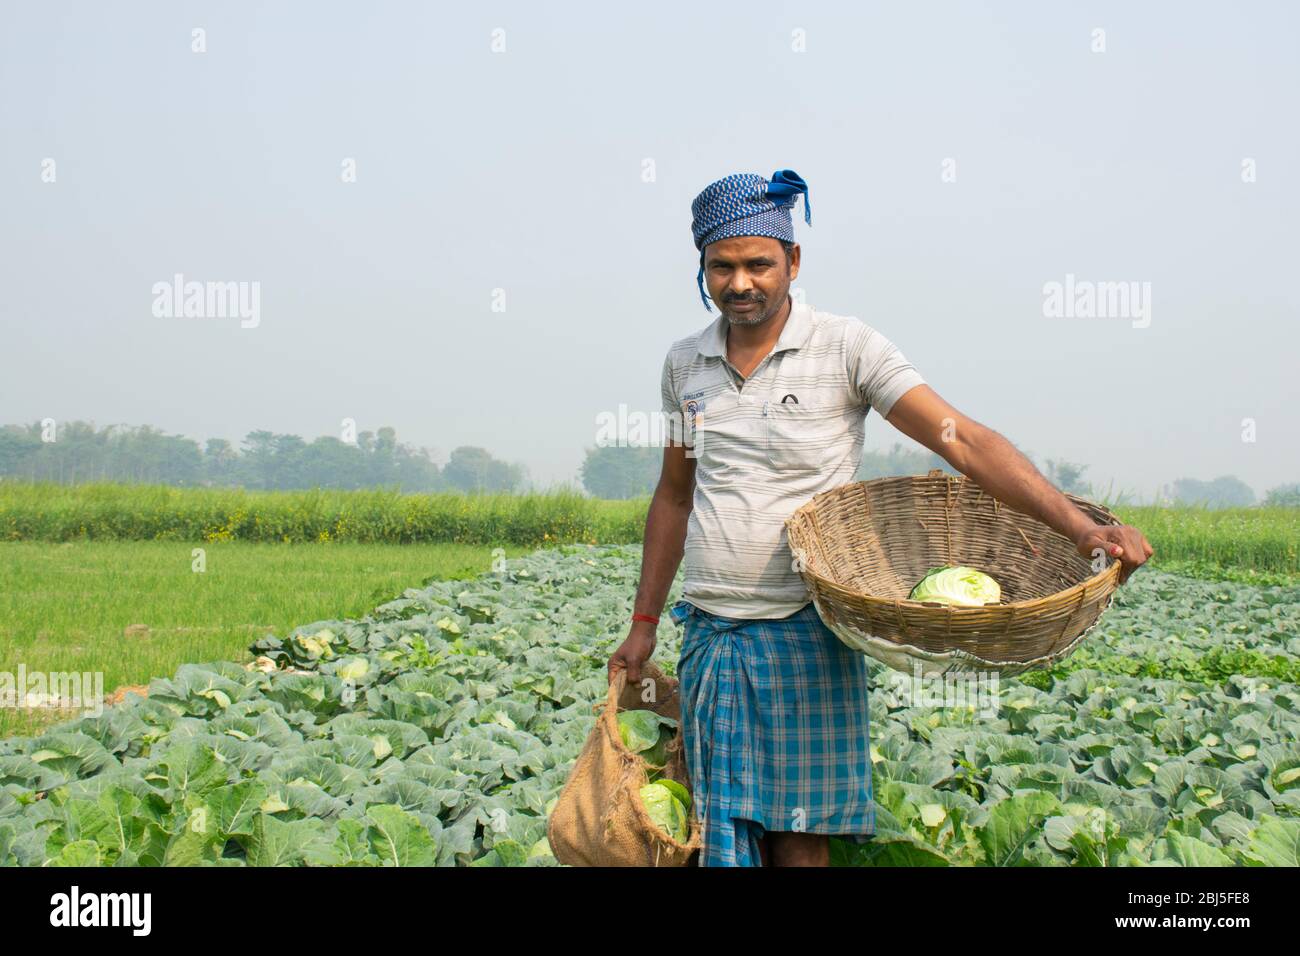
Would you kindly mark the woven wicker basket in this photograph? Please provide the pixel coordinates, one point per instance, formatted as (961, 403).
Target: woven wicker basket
(863, 546)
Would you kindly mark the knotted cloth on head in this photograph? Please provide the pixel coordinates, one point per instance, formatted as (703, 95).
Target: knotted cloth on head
(746, 204)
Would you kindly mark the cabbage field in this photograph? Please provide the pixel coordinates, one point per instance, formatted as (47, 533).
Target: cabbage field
(438, 729)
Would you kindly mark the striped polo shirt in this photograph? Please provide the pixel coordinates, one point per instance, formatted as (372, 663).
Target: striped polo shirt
(766, 444)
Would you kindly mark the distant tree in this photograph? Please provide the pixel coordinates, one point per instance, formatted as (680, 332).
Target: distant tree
(382, 460)
(1283, 496)
(628, 471)
(1068, 476)
(288, 452)
(330, 463)
(220, 462)
(259, 459)
(416, 471)
(1226, 491)
(475, 470)
(18, 445)
(80, 451)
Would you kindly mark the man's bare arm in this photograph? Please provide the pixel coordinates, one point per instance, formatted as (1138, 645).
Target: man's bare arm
(661, 554)
(999, 468)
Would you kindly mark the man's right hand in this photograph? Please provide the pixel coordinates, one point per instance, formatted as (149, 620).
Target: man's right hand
(634, 651)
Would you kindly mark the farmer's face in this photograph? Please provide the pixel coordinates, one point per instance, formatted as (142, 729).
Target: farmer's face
(748, 277)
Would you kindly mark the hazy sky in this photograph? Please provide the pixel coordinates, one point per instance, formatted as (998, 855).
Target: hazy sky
(526, 170)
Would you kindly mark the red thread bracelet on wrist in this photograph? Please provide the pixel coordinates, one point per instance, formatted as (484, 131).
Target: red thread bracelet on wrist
(645, 617)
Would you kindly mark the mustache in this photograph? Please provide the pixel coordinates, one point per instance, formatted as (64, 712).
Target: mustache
(759, 298)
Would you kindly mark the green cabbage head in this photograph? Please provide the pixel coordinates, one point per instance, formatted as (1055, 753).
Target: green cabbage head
(666, 811)
(960, 586)
(678, 791)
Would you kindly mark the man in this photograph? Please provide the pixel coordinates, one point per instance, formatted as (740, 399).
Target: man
(766, 408)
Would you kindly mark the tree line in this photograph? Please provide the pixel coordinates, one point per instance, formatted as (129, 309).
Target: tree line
(78, 452)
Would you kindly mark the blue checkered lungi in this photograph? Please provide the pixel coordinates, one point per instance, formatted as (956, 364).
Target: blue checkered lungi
(775, 727)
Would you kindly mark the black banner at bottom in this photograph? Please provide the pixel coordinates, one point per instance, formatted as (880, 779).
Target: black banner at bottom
(338, 906)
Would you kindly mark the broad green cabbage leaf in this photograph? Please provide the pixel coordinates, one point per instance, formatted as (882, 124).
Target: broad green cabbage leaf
(646, 733)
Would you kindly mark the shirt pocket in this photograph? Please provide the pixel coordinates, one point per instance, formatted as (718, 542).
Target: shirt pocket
(802, 437)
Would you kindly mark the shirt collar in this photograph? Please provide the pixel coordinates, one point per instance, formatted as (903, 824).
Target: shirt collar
(798, 329)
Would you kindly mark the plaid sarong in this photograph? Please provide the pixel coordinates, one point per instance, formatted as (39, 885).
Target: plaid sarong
(775, 726)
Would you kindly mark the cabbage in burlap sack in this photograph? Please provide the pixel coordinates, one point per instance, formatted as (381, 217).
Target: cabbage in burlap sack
(599, 819)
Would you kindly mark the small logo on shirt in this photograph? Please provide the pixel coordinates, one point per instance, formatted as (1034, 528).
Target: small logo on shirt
(693, 409)
(790, 399)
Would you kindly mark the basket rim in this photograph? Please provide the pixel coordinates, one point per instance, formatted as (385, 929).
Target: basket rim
(1029, 605)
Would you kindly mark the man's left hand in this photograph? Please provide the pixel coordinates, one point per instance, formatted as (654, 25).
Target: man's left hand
(1124, 542)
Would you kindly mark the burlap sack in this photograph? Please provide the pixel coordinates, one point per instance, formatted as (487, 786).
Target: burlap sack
(599, 819)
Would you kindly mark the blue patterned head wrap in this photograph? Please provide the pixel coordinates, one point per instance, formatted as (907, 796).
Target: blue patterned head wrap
(746, 204)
